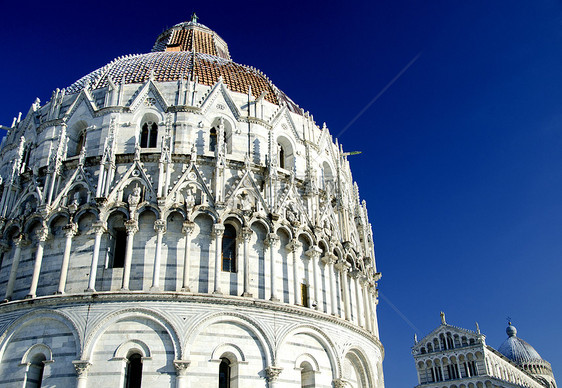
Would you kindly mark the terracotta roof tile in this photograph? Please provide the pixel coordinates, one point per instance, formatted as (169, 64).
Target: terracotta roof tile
(186, 51)
(172, 66)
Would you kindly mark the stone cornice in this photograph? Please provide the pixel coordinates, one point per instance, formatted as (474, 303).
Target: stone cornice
(255, 120)
(49, 123)
(224, 300)
(111, 109)
(184, 108)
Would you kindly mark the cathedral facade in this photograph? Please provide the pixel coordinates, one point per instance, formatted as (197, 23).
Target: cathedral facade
(454, 357)
(173, 219)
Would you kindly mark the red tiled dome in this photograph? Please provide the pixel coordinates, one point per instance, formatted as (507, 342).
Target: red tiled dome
(186, 51)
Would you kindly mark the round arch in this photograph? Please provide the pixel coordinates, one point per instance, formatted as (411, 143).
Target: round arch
(102, 325)
(358, 358)
(134, 345)
(221, 349)
(35, 350)
(306, 357)
(307, 235)
(40, 315)
(261, 221)
(285, 152)
(321, 337)
(198, 325)
(204, 212)
(104, 217)
(284, 228)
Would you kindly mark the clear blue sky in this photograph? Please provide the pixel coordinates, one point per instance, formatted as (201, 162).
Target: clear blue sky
(461, 165)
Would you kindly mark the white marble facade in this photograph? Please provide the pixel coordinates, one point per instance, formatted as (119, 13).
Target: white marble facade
(453, 357)
(202, 230)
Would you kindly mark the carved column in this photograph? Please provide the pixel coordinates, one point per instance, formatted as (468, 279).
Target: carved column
(109, 177)
(181, 373)
(272, 241)
(342, 268)
(218, 231)
(187, 229)
(246, 235)
(160, 228)
(81, 367)
(100, 180)
(42, 234)
(293, 246)
(132, 228)
(70, 231)
(358, 302)
(373, 307)
(364, 284)
(314, 254)
(273, 373)
(99, 229)
(329, 265)
(307, 281)
(331, 262)
(19, 241)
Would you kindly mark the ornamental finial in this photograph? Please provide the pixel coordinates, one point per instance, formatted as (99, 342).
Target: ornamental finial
(194, 18)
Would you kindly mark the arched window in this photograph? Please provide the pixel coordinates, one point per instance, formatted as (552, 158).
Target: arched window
(229, 249)
(35, 370)
(149, 135)
(25, 158)
(133, 373)
(117, 240)
(80, 143)
(450, 343)
(304, 295)
(281, 155)
(224, 373)
(213, 139)
(307, 375)
(76, 139)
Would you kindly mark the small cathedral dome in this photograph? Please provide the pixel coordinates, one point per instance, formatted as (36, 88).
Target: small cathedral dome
(516, 349)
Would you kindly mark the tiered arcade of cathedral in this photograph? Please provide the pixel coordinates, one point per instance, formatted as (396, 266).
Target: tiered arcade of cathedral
(453, 357)
(173, 219)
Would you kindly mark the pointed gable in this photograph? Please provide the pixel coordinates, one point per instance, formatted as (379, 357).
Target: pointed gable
(220, 96)
(149, 95)
(437, 339)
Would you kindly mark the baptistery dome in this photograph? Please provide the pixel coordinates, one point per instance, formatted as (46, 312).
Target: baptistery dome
(174, 219)
(191, 51)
